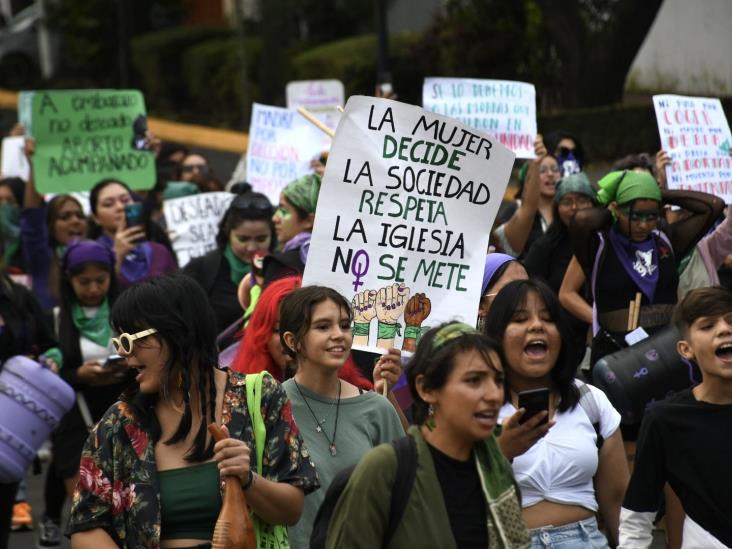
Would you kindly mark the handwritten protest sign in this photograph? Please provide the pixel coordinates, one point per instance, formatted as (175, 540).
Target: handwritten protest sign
(83, 136)
(14, 162)
(502, 108)
(403, 218)
(281, 145)
(194, 223)
(320, 97)
(695, 133)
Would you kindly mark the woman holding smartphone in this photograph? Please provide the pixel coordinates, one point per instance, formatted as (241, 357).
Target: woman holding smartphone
(568, 459)
(88, 290)
(142, 250)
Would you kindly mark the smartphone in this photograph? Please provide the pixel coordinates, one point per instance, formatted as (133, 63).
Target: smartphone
(139, 132)
(112, 360)
(534, 401)
(133, 214)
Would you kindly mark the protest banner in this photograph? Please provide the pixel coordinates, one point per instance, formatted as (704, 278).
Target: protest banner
(403, 219)
(695, 133)
(281, 146)
(14, 163)
(321, 97)
(193, 222)
(84, 136)
(502, 108)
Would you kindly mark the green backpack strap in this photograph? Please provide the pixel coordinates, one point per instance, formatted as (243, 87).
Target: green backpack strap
(254, 406)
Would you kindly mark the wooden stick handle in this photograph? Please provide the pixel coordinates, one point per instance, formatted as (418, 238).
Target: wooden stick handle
(631, 315)
(314, 121)
(636, 310)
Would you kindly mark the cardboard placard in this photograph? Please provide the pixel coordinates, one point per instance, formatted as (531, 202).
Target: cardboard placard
(502, 108)
(403, 219)
(695, 133)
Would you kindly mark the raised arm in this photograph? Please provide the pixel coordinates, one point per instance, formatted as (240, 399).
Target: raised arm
(704, 208)
(31, 197)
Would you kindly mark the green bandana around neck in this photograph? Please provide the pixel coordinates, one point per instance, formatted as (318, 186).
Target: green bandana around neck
(303, 192)
(10, 230)
(96, 328)
(626, 186)
(238, 269)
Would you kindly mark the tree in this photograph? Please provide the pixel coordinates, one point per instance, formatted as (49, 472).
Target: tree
(596, 42)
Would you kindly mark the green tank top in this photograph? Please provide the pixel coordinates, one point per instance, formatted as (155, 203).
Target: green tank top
(190, 501)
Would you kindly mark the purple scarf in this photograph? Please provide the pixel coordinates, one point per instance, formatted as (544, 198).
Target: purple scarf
(136, 264)
(639, 259)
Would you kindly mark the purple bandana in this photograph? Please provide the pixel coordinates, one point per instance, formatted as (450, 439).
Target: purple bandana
(639, 259)
(79, 252)
(493, 262)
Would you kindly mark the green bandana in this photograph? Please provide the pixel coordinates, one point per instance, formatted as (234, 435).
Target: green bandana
(10, 230)
(303, 192)
(179, 189)
(237, 268)
(575, 183)
(626, 186)
(451, 331)
(96, 328)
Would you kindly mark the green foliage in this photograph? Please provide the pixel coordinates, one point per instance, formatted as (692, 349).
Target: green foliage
(159, 61)
(353, 62)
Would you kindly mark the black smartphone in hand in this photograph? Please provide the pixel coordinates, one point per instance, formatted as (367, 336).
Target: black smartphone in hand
(113, 360)
(133, 214)
(534, 402)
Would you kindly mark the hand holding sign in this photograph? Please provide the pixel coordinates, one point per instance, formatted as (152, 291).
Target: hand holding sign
(418, 309)
(390, 303)
(364, 311)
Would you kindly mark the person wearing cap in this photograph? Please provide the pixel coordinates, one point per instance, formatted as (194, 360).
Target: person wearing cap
(535, 213)
(621, 252)
(88, 288)
(293, 222)
(551, 253)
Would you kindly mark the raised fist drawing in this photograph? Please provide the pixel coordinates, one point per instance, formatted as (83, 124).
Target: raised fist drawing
(390, 303)
(418, 308)
(363, 306)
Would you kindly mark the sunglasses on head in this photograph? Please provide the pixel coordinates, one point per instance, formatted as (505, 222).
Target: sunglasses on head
(251, 201)
(641, 215)
(126, 342)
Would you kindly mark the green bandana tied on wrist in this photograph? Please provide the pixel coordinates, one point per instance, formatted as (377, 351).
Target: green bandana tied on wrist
(303, 192)
(96, 328)
(412, 332)
(388, 331)
(361, 328)
(237, 268)
(626, 186)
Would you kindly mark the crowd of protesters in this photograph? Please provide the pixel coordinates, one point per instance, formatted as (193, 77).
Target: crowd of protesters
(572, 261)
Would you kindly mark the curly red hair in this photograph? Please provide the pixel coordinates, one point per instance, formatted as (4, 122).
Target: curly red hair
(253, 355)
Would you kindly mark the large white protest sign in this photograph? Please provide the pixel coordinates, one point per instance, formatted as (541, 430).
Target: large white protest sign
(502, 108)
(194, 222)
(14, 164)
(321, 97)
(281, 146)
(403, 219)
(695, 132)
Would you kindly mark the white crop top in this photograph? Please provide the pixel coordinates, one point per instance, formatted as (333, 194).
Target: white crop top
(560, 467)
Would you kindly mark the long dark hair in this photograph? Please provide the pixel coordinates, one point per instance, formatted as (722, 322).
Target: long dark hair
(177, 307)
(511, 298)
(68, 333)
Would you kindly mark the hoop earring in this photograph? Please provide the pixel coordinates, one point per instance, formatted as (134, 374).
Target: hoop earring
(430, 423)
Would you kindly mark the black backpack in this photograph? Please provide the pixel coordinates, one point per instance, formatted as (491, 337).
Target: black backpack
(406, 453)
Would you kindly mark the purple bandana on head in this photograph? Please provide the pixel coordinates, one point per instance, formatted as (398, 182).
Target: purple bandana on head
(79, 252)
(639, 259)
(493, 262)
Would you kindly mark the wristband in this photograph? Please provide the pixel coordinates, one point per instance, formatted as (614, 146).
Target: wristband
(412, 332)
(388, 331)
(361, 328)
(250, 481)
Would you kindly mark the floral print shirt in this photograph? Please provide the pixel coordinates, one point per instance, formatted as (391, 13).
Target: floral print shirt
(119, 490)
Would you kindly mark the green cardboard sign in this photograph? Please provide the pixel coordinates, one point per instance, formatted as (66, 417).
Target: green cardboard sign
(84, 136)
